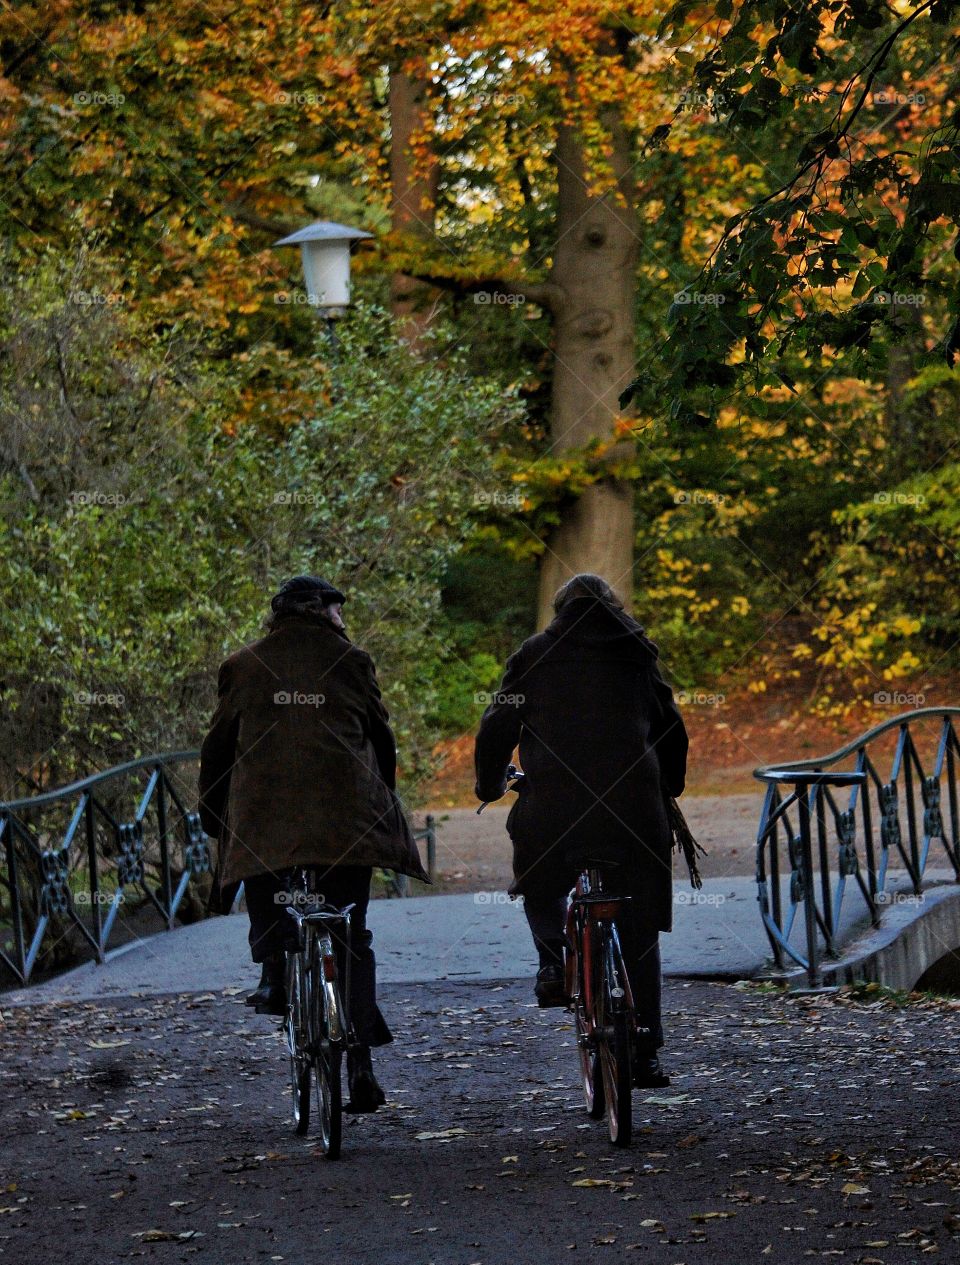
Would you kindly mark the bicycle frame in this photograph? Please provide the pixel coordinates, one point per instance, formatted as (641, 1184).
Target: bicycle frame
(591, 916)
(317, 928)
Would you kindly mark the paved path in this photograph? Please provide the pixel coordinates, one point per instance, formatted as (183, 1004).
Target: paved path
(717, 934)
(795, 1129)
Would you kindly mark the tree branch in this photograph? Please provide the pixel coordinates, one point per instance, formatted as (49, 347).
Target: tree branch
(544, 293)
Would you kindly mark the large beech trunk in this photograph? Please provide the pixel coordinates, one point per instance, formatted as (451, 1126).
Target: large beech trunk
(414, 195)
(594, 270)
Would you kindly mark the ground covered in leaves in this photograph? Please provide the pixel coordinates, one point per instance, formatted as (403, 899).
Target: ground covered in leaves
(793, 1129)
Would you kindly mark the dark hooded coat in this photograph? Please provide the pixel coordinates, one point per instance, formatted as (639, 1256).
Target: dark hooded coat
(299, 765)
(600, 740)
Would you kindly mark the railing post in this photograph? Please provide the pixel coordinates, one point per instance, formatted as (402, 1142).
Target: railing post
(166, 887)
(431, 847)
(825, 894)
(95, 912)
(809, 898)
(16, 908)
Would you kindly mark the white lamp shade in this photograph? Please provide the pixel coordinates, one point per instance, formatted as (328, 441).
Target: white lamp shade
(326, 272)
(325, 250)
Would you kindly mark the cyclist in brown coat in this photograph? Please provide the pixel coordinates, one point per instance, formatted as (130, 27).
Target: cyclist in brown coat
(299, 769)
(601, 743)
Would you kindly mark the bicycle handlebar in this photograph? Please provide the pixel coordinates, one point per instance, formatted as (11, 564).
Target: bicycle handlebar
(514, 777)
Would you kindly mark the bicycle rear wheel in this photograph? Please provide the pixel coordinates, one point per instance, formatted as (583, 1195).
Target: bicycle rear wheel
(330, 1098)
(614, 1045)
(297, 1040)
(329, 1060)
(590, 1073)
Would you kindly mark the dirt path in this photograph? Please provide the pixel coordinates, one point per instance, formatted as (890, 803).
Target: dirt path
(794, 1129)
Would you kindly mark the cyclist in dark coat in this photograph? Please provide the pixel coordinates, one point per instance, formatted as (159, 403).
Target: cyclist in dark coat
(298, 769)
(601, 743)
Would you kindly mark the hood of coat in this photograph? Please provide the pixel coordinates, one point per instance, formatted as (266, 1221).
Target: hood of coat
(586, 620)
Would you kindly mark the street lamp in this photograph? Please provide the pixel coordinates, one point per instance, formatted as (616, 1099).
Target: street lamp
(325, 252)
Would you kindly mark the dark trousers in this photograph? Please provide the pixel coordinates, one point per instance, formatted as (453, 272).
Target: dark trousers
(546, 916)
(270, 927)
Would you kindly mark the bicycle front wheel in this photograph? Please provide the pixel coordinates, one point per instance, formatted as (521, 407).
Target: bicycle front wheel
(614, 1046)
(297, 1036)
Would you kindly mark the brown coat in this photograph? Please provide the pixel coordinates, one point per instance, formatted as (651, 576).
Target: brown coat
(299, 766)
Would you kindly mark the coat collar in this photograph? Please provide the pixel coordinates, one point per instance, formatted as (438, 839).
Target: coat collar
(301, 623)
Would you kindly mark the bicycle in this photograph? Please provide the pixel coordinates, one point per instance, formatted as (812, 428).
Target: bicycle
(317, 1023)
(598, 989)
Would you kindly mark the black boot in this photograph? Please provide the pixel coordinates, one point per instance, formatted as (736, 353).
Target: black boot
(647, 1072)
(549, 988)
(270, 998)
(365, 1091)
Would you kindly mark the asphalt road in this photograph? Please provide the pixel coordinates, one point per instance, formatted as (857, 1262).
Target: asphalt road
(794, 1128)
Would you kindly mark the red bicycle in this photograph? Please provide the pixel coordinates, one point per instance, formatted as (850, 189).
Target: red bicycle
(598, 986)
(599, 994)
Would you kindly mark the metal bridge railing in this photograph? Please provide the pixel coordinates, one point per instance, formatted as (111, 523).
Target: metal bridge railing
(835, 846)
(56, 878)
(49, 872)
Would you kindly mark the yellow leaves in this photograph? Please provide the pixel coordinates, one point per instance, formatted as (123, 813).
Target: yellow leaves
(740, 605)
(906, 625)
(907, 663)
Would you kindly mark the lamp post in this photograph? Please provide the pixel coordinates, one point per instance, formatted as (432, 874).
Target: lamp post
(325, 254)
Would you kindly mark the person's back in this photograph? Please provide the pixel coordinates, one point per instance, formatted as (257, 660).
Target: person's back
(298, 770)
(313, 760)
(601, 744)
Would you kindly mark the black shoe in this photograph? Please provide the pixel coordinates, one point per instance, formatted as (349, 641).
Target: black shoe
(549, 987)
(365, 1091)
(647, 1072)
(270, 998)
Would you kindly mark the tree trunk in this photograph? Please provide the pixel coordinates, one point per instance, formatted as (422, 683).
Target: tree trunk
(594, 266)
(414, 195)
